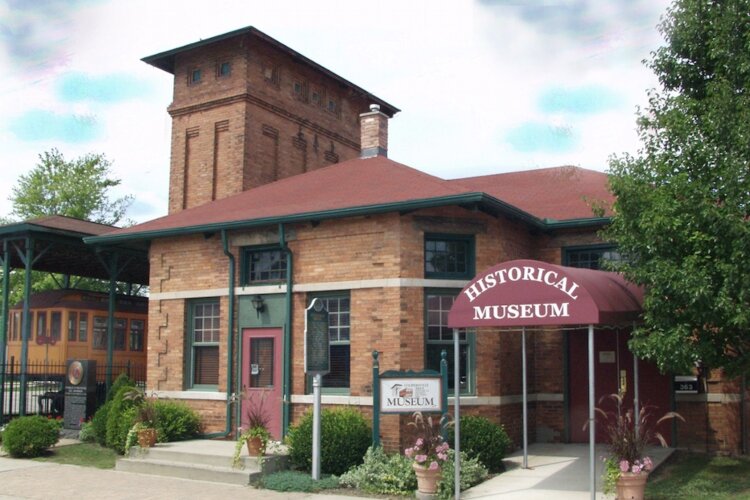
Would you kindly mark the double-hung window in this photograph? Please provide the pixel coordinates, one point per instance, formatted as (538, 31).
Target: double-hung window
(202, 353)
(339, 329)
(439, 337)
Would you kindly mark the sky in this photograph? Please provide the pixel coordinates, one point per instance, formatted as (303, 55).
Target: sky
(485, 86)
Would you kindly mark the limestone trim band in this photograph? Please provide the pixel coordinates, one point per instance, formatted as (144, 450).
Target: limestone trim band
(465, 400)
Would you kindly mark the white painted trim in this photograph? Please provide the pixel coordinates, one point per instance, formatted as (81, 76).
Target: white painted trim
(465, 400)
(720, 398)
(312, 287)
(194, 395)
(333, 400)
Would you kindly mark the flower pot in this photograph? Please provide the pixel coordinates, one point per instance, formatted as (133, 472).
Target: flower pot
(631, 485)
(146, 438)
(427, 479)
(254, 446)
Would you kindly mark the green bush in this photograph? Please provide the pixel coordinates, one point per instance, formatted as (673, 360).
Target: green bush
(99, 423)
(120, 419)
(472, 472)
(344, 439)
(483, 439)
(175, 421)
(87, 434)
(30, 436)
(121, 381)
(382, 473)
(297, 481)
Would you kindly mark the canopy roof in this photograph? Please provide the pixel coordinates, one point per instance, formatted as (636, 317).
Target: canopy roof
(529, 293)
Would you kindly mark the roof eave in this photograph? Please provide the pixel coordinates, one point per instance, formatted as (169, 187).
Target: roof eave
(577, 223)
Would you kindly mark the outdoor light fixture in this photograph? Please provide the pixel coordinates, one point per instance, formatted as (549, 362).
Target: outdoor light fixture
(258, 304)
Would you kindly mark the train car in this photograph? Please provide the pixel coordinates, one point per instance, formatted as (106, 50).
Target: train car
(72, 323)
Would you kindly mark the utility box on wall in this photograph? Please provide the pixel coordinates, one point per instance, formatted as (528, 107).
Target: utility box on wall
(80, 392)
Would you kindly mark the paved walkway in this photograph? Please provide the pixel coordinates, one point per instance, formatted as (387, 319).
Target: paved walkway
(555, 471)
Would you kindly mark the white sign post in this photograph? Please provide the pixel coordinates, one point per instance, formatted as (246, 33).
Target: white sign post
(317, 363)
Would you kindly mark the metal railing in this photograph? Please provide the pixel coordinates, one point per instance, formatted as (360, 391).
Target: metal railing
(45, 386)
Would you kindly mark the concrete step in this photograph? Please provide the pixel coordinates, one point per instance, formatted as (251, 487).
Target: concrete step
(203, 460)
(200, 472)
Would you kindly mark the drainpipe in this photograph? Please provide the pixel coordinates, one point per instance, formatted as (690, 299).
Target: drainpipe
(230, 341)
(286, 365)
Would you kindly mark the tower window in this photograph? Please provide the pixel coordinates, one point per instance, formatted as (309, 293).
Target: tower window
(195, 76)
(223, 69)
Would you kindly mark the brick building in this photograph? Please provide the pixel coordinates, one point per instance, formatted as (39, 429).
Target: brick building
(281, 191)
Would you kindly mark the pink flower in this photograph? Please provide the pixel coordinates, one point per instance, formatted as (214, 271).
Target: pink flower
(442, 456)
(419, 443)
(420, 459)
(636, 468)
(647, 463)
(624, 466)
(409, 452)
(434, 465)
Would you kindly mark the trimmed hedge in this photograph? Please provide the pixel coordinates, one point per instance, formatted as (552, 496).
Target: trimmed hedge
(484, 440)
(30, 436)
(175, 421)
(344, 439)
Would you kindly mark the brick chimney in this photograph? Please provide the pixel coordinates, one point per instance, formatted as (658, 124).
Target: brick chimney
(374, 131)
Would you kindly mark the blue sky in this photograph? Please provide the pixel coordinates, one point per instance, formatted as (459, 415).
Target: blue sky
(485, 86)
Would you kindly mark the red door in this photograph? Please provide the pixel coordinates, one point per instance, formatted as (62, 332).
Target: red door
(261, 375)
(613, 371)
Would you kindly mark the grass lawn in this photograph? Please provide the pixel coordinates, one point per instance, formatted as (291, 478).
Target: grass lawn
(693, 475)
(85, 454)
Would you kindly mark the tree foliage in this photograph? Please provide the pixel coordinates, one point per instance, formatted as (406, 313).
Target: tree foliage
(682, 211)
(76, 188)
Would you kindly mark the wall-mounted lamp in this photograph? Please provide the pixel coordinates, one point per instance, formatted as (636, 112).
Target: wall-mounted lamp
(258, 304)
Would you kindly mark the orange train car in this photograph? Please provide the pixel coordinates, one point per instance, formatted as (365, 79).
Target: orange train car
(72, 323)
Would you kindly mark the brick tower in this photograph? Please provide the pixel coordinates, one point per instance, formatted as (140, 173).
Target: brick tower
(248, 110)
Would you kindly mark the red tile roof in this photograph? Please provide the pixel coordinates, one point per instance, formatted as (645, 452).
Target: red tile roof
(381, 184)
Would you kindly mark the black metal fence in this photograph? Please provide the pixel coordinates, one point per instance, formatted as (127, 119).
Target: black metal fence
(45, 386)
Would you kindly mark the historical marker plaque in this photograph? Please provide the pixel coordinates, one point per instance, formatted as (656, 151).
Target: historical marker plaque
(80, 392)
(317, 342)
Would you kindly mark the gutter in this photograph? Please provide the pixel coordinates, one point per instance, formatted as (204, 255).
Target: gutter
(286, 365)
(230, 342)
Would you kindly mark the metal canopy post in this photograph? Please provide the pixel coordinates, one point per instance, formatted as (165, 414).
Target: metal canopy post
(525, 402)
(457, 415)
(636, 396)
(592, 423)
(4, 325)
(28, 264)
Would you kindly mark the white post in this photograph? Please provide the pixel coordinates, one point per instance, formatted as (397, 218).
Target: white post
(592, 423)
(525, 411)
(317, 378)
(457, 413)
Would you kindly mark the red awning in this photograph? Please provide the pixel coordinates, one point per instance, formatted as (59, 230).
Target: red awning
(529, 292)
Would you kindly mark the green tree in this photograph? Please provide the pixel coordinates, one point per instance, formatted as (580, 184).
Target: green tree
(682, 212)
(76, 188)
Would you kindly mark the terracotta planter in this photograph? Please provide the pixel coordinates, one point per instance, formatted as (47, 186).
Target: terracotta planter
(254, 446)
(427, 480)
(631, 486)
(146, 438)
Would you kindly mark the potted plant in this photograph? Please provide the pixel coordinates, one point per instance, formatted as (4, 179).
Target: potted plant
(145, 420)
(626, 469)
(428, 453)
(254, 433)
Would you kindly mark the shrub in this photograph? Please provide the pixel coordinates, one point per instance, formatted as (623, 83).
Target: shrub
(87, 434)
(121, 381)
(120, 419)
(30, 436)
(344, 439)
(297, 481)
(472, 472)
(483, 439)
(99, 423)
(175, 421)
(382, 473)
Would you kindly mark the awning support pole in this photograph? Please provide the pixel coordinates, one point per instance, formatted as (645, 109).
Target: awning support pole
(525, 402)
(457, 414)
(592, 423)
(636, 396)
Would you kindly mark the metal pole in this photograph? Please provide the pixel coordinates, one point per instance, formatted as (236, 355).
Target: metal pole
(457, 414)
(316, 427)
(636, 396)
(592, 423)
(28, 261)
(375, 400)
(525, 402)
(4, 325)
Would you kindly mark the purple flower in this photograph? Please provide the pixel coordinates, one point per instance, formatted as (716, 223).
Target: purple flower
(420, 459)
(624, 466)
(434, 465)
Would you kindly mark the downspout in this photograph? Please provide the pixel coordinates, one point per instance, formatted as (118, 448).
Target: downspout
(287, 373)
(230, 341)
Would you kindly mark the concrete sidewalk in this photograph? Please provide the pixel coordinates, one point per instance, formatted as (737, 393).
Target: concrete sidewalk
(559, 471)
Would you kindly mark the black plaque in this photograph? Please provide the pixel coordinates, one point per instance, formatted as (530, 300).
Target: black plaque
(80, 392)
(317, 342)
(686, 384)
